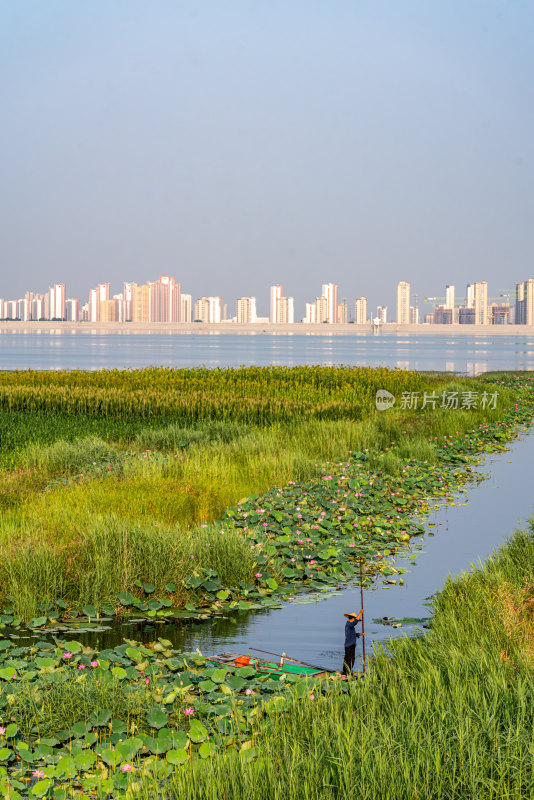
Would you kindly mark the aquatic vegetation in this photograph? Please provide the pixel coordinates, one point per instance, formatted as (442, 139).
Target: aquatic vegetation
(442, 713)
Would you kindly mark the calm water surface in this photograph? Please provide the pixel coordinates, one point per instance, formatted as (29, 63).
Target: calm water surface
(79, 350)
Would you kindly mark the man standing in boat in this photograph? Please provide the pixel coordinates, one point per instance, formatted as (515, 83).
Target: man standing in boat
(350, 641)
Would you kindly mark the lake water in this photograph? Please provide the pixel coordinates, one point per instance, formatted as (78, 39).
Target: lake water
(59, 349)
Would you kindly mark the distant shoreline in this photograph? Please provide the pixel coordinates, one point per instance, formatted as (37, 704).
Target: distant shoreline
(389, 329)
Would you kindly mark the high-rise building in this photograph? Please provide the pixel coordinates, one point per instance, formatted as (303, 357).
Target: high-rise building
(524, 303)
(282, 309)
(140, 309)
(443, 315)
(285, 311)
(470, 295)
(311, 313)
(164, 300)
(480, 302)
(499, 314)
(343, 313)
(276, 295)
(403, 303)
(246, 310)
(330, 292)
(414, 315)
(185, 308)
(449, 297)
(57, 301)
(466, 315)
(210, 309)
(382, 314)
(73, 309)
(360, 311)
(97, 296)
(321, 309)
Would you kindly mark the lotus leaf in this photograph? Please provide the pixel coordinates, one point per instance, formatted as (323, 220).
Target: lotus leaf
(99, 719)
(37, 622)
(84, 760)
(42, 787)
(207, 749)
(197, 731)
(156, 718)
(71, 647)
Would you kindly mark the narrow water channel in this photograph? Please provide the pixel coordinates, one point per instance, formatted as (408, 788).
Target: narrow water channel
(312, 627)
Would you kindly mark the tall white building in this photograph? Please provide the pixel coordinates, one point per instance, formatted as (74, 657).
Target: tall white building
(403, 303)
(524, 303)
(330, 292)
(285, 311)
(449, 297)
(470, 295)
(480, 302)
(56, 295)
(382, 314)
(246, 310)
(282, 309)
(73, 309)
(185, 308)
(310, 316)
(97, 296)
(210, 309)
(360, 311)
(276, 295)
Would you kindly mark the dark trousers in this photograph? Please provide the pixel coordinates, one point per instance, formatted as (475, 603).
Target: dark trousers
(348, 662)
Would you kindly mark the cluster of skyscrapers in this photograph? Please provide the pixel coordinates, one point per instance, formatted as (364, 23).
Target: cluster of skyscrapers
(163, 301)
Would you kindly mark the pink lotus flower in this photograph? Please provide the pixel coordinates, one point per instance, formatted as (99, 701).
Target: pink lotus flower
(94, 663)
(81, 666)
(189, 712)
(67, 655)
(2, 731)
(38, 773)
(126, 767)
(312, 697)
(257, 574)
(248, 691)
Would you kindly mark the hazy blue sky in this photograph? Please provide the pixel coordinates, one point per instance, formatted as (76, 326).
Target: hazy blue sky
(236, 144)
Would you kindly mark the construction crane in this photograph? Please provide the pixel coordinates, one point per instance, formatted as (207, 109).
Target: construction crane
(440, 300)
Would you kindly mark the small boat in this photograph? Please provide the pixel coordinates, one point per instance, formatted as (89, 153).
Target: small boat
(286, 666)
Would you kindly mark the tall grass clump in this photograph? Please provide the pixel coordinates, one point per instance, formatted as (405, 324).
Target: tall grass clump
(173, 437)
(107, 555)
(64, 457)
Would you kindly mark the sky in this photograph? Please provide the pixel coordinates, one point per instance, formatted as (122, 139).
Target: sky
(235, 145)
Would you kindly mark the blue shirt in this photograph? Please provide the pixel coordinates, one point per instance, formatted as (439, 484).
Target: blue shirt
(350, 633)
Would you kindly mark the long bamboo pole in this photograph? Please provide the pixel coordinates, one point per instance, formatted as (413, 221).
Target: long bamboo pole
(295, 660)
(363, 622)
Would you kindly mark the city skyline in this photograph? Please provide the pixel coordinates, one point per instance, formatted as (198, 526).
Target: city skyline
(385, 141)
(163, 301)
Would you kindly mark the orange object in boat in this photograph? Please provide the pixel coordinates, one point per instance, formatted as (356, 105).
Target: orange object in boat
(242, 661)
